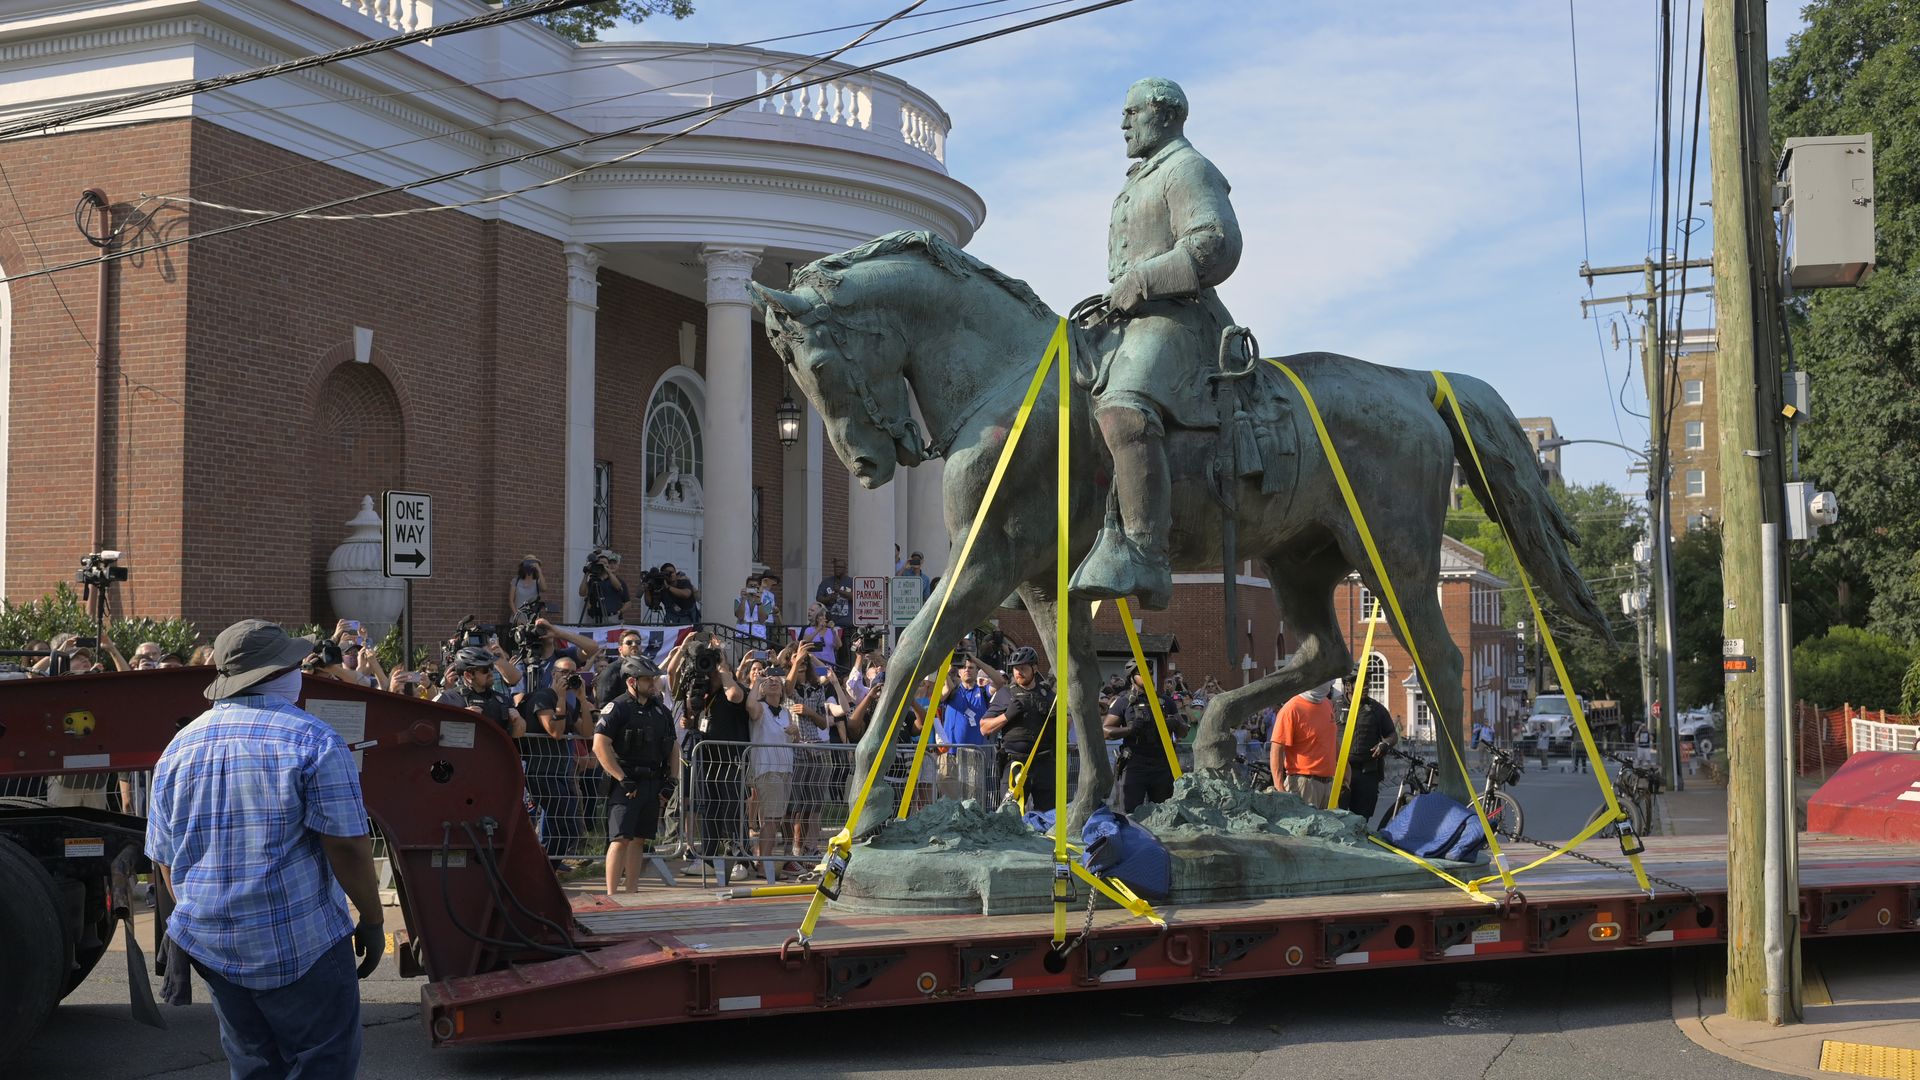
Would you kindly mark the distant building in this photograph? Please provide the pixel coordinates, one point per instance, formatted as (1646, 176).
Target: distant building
(1539, 429)
(1471, 598)
(1693, 434)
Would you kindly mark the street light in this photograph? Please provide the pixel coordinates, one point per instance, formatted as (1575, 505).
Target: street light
(786, 419)
(1657, 497)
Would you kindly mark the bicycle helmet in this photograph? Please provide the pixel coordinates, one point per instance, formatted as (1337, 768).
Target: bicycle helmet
(639, 667)
(1025, 654)
(471, 658)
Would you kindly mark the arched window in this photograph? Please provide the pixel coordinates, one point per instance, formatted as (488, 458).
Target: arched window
(673, 443)
(1377, 671)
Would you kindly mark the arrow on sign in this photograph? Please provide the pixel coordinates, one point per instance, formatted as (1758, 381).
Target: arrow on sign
(414, 557)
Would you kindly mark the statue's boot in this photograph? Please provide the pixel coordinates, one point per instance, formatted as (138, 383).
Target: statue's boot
(1133, 561)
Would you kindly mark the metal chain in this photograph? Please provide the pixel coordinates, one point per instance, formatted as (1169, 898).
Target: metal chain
(1086, 929)
(1618, 868)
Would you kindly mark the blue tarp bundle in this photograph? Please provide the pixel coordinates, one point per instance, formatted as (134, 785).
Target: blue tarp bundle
(1434, 826)
(1118, 848)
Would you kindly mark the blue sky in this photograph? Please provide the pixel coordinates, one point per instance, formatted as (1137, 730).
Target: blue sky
(1406, 174)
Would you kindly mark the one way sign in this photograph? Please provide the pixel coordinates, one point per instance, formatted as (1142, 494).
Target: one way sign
(406, 540)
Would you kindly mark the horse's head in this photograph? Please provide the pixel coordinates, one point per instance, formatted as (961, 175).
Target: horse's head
(850, 366)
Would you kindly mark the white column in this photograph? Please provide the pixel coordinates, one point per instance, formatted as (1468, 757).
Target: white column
(927, 526)
(801, 516)
(726, 550)
(583, 293)
(870, 535)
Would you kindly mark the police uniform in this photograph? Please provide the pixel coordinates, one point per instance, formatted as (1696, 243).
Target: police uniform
(491, 703)
(1146, 773)
(1027, 710)
(642, 734)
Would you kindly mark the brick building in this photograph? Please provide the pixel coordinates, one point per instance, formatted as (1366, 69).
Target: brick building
(570, 366)
(1472, 600)
(1693, 435)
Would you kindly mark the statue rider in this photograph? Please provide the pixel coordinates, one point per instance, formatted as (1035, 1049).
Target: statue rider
(1173, 238)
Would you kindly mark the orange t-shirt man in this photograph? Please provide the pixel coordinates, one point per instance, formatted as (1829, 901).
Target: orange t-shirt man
(1304, 746)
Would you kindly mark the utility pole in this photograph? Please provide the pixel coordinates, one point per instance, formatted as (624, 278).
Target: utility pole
(1653, 358)
(1762, 901)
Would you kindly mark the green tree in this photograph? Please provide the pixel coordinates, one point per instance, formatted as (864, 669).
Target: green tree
(1910, 688)
(1855, 69)
(1698, 601)
(1608, 523)
(1848, 665)
(586, 23)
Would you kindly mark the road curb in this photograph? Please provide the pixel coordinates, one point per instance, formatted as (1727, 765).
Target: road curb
(1688, 1016)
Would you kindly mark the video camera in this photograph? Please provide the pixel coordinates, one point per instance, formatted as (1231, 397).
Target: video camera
(100, 569)
(597, 562)
(868, 639)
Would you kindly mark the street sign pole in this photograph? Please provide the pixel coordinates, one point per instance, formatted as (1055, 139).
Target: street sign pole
(406, 552)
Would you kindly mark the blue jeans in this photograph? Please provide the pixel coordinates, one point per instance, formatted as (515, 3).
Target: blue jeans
(308, 1029)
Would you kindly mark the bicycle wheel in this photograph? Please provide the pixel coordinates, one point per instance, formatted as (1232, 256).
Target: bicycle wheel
(1613, 830)
(1504, 814)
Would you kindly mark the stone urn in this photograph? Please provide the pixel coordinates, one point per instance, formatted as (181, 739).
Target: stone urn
(354, 582)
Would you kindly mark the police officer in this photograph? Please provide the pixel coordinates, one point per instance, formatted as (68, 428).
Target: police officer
(1145, 771)
(1020, 716)
(634, 740)
(473, 689)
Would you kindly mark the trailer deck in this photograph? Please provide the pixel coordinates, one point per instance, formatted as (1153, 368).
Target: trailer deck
(667, 956)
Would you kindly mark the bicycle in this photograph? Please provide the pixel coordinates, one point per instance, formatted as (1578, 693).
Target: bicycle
(1634, 789)
(1503, 811)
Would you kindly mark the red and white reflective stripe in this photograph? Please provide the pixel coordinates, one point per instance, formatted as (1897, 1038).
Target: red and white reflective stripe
(1695, 934)
(1375, 956)
(1485, 948)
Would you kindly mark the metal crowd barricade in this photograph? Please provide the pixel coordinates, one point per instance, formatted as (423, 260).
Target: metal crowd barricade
(772, 806)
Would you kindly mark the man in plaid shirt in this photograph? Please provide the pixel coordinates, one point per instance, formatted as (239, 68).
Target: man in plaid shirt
(255, 826)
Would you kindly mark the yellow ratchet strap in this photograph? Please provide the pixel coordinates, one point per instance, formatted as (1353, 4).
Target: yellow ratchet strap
(1062, 883)
(1116, 890)
(926, 733)
(840, 847)
(1353, 703)
(1393, 605)
(1443, 392)
(1153, 694)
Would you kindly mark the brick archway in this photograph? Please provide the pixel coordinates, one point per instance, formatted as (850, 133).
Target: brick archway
(358, 448)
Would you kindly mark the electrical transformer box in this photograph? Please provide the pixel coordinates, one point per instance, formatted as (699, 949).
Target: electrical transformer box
(1828, 211)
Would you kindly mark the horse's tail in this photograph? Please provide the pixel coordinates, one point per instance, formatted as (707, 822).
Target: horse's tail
(1513, 493)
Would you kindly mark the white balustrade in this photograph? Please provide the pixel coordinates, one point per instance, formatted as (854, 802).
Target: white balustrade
(922, 132)
(845, 103)
(400, 15)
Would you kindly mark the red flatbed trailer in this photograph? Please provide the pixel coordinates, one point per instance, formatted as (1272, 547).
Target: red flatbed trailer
(474, 888)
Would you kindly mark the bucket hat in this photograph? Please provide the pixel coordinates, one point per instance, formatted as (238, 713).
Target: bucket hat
(252, 651)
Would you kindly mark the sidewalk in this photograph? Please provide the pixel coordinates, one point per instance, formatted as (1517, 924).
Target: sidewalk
(1862, 995)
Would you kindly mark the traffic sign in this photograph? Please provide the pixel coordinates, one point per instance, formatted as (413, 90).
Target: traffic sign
(909, 592)
(869, 601)
(406, 534)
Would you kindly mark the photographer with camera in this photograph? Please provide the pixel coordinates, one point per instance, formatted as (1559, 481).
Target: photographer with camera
(602, 587)
(670, 594)
(969, 692)
(820, 710)
(753, 608)
(529, 584)
(715, 706)
(554, 715)
(1145, 772)
(633, 739)
(1021, 717)
(545, 643)
(473, 690)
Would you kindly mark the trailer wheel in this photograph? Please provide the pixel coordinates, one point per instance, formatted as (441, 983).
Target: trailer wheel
(31, 950)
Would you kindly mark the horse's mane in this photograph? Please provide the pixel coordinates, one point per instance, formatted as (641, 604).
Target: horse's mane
(938, 251)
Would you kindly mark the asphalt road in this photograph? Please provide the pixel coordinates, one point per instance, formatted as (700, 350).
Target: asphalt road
(1607, 1018)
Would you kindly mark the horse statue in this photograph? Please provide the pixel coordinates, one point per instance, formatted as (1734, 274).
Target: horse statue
(910, 310)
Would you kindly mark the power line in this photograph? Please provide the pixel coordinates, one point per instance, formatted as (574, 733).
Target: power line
(134, 219)
(497, 17)
(573, 145)
(1586, 242)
